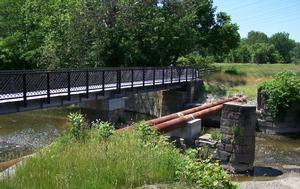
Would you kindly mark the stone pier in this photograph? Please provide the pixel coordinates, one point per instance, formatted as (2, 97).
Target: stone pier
(107, 109)
(237, 148)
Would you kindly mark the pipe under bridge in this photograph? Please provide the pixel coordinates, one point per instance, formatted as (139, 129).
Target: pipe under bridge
(37, 89)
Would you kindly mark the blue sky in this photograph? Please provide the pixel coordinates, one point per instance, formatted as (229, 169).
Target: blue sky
(268, 16)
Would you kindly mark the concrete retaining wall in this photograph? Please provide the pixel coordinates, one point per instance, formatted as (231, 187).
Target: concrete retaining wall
(290, 124)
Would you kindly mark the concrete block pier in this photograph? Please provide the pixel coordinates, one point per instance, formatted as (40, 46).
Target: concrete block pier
(237, 148)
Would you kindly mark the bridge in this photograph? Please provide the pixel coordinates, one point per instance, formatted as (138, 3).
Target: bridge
(36, 89)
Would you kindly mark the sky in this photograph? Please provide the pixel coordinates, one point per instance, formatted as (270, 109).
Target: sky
(268, 16)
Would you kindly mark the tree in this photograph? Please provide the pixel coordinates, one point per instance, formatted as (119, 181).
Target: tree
(265, 53)
(256, 37)
(242, 54)
(296, 53)
(223, 37)
(92, 33)
(284, 45)
(216, 36)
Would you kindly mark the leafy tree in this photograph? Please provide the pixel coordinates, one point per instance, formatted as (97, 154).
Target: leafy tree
(91, 33)
(242, 54)
(256, 37)
(265, 53)
(284, 45)
(296, 52)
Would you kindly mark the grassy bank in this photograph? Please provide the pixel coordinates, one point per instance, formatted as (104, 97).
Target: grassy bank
(244, 78)
(126, 159)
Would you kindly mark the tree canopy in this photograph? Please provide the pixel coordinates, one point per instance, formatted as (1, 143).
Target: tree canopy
(93, 33)
(259, 48)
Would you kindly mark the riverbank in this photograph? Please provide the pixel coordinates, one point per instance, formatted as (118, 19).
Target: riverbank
(100, 158)
(243, 78)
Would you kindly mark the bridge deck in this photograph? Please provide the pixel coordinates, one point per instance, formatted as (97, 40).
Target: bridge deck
(15, 97)
(25, 86)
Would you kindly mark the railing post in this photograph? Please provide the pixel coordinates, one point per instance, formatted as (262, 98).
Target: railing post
(186, 74)
(179, 74)
(103, 82)
(24, 90)
(48, 87)
(163, 76)
(154, 80)
(119, 80)
(69, 85)
(87, 83)
(143, 78)
(171, 74)
(193, 72)
(132, 78)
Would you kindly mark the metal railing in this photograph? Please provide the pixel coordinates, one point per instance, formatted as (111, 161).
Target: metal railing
(44, 84)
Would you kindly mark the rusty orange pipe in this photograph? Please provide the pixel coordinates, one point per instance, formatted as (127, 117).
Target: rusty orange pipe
(188, 111)
(182, 121)
(7, 164)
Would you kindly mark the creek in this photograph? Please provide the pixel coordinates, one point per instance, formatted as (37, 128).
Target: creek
(23, 133)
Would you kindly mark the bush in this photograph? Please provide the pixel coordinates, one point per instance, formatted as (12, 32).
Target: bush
(216, 135)
(78, 126)
(103, 129)
(195, 60)
(205, 173)
(232, 70)
(281, 93)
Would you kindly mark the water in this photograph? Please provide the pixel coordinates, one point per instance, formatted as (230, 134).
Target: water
(274, 156)
(23, 133)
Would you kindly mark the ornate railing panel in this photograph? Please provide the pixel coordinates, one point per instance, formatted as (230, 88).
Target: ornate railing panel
(27, 85)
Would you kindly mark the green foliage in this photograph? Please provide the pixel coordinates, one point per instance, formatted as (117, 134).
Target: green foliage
(216, 135)
(121, 161)
(75, 34)
(195, 60)
(284, 45)
(206, 173)
(281, 93)
(296, 54)
(126, 159)
(232, 70)
(104, 129)
(265, 53)
(78, 126)
(255, 37)
(236, 134)
(259, 48)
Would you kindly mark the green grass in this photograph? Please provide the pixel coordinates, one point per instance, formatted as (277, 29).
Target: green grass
(244, 78)
(261, 70)
(126, 159)
(120, 162)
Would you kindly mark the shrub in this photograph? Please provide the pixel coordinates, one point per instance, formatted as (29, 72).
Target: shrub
(195, 60)
(281, 93)
(103, 129)
(205, 173)
(216, 135)
(232, 70)
(78, 126)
